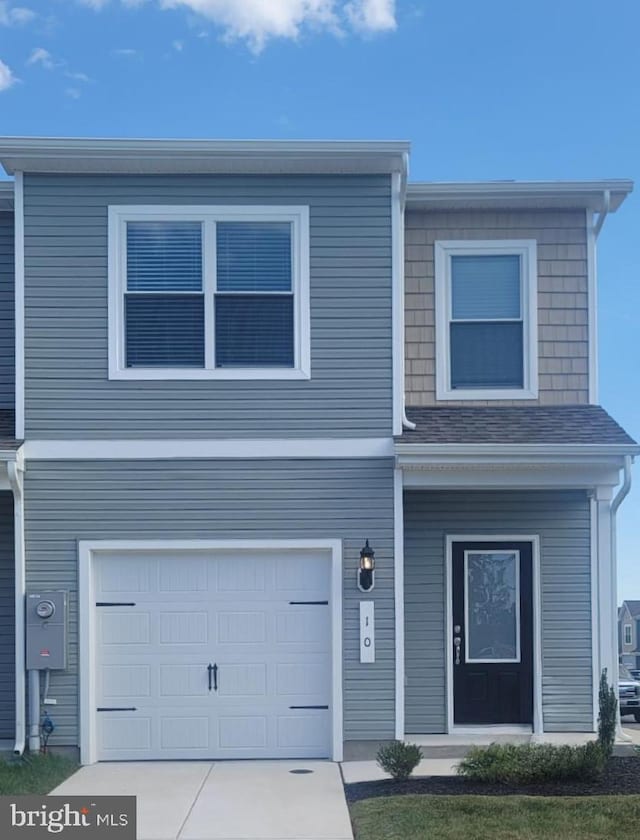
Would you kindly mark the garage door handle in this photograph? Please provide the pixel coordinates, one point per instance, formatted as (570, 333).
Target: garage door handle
(213, 670)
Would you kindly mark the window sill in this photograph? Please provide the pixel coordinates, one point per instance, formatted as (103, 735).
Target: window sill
(176, 374)
(488, 394)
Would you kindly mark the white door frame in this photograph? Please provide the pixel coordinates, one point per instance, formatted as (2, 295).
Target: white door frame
(89, 549)
(534, 539)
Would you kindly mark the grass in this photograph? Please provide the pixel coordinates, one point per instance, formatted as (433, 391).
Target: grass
(495, 818)
(34, 774)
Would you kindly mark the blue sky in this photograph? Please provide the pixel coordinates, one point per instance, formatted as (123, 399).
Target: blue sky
(484, 90)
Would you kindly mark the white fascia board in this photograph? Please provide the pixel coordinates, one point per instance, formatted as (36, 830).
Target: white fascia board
(568, 194)
(102, 155)
(250, 448)
(516, 451)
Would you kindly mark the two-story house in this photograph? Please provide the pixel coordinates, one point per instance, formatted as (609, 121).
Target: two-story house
(316, 455)
(628, 635)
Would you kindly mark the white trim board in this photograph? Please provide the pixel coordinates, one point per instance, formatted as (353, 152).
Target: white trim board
(534, 539)
(398, 590)
(88, 549)
(592, 308)
(164, 449)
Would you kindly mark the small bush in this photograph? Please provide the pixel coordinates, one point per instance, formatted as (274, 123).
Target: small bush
(608, 716)
(523, 764)
(399, 759)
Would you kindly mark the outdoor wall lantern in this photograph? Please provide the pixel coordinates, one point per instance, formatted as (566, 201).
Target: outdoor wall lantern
(366, 572)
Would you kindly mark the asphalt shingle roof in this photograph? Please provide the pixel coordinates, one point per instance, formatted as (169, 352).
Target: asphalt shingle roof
(7, 430)
(634, 608)
(586, 424)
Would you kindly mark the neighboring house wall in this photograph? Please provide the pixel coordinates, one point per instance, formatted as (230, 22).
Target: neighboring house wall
(67, 392)
(7, 339)
(7, 618)
(562, 521)
(627, 620)
(562, 297)
(351, 500)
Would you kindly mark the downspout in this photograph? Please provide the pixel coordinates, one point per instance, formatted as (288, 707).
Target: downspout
(606, 206)
(15, 470)
(406, 423)
(620, 496)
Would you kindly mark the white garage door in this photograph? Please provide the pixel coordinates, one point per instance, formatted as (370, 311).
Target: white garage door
(213, 655)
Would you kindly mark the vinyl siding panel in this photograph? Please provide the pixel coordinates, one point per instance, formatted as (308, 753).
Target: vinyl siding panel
(348, 500)
(68, 394)
(562, 521)
(563, 348)
(7, 619)
(7, 338)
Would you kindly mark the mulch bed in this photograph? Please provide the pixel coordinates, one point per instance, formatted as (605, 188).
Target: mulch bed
(621, 776)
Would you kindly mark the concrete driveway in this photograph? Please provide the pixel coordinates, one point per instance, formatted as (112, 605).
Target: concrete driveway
(235, 800)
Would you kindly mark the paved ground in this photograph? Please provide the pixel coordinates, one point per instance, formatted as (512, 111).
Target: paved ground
(243, 800)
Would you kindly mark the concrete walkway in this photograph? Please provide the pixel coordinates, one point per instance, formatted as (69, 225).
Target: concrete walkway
(234, 800)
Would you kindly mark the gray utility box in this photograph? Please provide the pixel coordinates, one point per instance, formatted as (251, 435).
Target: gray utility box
(46, 630)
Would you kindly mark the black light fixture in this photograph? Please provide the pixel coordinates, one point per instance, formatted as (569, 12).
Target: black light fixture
(366, 572)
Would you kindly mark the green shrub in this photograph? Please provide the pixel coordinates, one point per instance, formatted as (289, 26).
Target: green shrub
(399, 759)
(523, 764)
(608, 716)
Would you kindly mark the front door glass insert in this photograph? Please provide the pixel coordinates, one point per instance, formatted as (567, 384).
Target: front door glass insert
(492, 606)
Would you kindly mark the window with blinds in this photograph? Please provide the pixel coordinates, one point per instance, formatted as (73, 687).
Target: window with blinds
(486, 319)
(486, 328)
(217, 293)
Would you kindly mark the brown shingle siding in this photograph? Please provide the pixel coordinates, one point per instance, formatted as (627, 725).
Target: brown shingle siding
(563, 348)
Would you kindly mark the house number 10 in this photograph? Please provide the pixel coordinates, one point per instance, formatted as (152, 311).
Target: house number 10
(367, 632)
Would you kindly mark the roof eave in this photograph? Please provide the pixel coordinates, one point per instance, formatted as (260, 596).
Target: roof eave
(518, 451)
(80, 155)
(589, 195)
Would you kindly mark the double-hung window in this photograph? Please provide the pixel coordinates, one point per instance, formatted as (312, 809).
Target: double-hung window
(209, 292)
(627, 634)
(486, 320)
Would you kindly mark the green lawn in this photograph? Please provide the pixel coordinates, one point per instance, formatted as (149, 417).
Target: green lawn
(496, 818)
(34, 774)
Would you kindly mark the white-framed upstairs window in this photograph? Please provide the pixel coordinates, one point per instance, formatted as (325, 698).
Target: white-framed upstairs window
(209, 292)
(627, 634)
(486, 319)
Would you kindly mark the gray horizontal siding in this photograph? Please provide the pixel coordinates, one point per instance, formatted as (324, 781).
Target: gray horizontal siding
(68, 394)
(563, 523)
(350, 500)
(7, 619)
(7, 339)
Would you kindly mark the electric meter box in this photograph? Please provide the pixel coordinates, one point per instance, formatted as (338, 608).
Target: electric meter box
(46, 630)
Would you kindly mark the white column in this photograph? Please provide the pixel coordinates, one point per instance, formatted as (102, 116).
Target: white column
(398, 581)
(606, 588)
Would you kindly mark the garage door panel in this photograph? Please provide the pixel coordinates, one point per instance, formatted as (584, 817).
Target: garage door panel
(183, 680)
(234, 610)
(184, 574)
(183, 628)
(241, 628)
(178, 732)
(125, 681)
(124, 628)
(242, 680)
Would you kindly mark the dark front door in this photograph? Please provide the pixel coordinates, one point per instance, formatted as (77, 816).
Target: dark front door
(492, 633)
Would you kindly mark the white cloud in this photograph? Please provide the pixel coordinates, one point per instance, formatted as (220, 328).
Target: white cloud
(371, 15)
(178, 46)
(258, 21)
(41, 56)
(72, 93)
(7, 78)
(78, 77)
(126, 51)
(14, 15)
